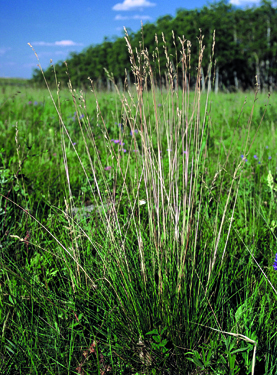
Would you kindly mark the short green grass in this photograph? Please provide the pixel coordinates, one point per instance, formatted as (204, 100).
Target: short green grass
(177, 276)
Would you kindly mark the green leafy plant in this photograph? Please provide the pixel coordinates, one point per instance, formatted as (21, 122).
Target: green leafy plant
(159, 344)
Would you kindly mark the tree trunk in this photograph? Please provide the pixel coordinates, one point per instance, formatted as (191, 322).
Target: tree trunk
(257, 68)
(216, 80)
(119, 84)
(203, 80)
(108, 85)
(209, 84)
(236, 80)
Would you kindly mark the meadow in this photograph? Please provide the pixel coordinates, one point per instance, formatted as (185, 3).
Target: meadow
(172, 270)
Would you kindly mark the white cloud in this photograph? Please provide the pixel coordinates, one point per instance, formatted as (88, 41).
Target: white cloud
(118, 17)
(62, 43)
(9, 63)
(137, 17)
(131, 4)
(66, 43)
(244, 2)
(4, 50)
(30, 65)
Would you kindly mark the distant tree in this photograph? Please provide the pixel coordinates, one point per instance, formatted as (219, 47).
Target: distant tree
(245, 46)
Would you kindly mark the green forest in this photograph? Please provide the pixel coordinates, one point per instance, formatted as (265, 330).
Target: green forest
(245, 47)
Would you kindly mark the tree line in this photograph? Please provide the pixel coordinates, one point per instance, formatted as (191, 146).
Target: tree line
(245, 48)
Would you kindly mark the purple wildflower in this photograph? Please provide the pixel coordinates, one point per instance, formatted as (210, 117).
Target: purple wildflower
(108, 168)
(82, 116)
(135, 131)
(255, 157)
(269, 158)
(35, 103)
(159, 105)
(74, 143)
(116, 141)
(123, 150)
(266, 146)
(30, 102)
(275, 263)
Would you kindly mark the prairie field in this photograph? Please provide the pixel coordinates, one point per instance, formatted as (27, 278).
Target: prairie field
(171, 269)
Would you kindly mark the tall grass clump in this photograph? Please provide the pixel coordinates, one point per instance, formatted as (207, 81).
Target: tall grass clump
(147, 265)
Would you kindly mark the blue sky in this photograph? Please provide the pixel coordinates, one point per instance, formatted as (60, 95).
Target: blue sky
(57, 27)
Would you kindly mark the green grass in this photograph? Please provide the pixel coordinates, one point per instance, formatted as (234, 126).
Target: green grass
(165, 287)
